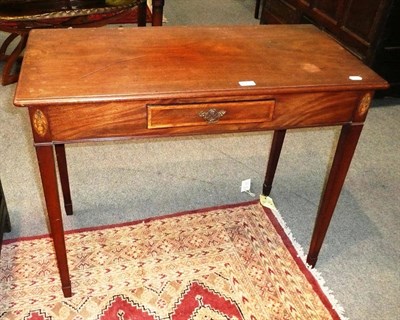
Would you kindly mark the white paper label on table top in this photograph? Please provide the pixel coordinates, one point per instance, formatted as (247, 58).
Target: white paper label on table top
(247, 83)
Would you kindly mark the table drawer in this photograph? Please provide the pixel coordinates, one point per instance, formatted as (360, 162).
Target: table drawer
(202, 114)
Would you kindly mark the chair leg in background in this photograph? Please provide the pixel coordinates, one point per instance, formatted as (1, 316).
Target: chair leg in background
(142, 14)
(157, 12)
(257, 10)
(12, 59)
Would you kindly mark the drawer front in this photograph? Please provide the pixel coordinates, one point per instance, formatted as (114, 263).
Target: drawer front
(202, 114)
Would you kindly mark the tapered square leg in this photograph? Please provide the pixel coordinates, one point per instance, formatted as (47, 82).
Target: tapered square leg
(344, 153)
(48, 175)
(275, 152)
(64, 179)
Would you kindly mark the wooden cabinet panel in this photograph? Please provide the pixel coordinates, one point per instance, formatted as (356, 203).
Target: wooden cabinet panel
(362, 18)
(331, 9)
(387, 60)
(281, 11)
(367, 28)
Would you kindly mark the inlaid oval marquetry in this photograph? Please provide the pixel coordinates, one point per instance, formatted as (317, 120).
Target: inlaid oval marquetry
(40, 123)
(364, 105)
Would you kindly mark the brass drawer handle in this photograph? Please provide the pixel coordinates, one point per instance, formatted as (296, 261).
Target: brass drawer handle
(212, 115)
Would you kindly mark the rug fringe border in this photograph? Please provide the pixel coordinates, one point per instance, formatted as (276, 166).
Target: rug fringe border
(313, 271)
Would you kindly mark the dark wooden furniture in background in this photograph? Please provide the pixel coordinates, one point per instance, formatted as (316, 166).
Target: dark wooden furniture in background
(18, 17)
(368, 28)
(159, 82)
(5, 225)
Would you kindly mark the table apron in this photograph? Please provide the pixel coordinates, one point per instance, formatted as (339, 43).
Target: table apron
(123, 119)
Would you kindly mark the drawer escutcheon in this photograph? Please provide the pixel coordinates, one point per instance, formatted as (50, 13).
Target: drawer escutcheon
(212, 115)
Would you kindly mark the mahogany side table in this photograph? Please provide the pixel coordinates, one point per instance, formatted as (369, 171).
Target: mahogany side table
(161, 82)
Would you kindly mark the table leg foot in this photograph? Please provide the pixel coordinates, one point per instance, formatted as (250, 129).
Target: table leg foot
(276, 147)
(68, 209)
(67, 291)
(312, 261)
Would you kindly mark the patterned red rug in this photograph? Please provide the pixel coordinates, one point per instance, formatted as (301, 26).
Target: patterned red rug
(232, 262)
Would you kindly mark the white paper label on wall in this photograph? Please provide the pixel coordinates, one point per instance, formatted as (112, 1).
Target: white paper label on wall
(355, 78)
(248, 83)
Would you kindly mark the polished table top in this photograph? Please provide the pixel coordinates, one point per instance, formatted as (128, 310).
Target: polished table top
(77, 65)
